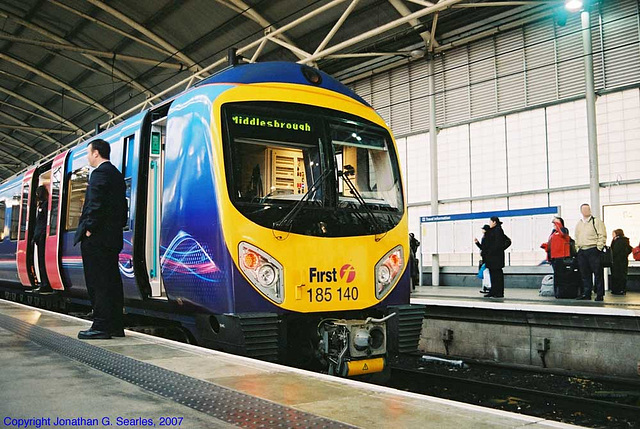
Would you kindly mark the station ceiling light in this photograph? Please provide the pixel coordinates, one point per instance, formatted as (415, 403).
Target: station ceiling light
(573, 5)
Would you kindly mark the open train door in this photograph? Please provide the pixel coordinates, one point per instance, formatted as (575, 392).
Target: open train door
(24, 253)
(54, 226)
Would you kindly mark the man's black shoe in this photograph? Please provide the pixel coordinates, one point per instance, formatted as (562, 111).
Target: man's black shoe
(599, 298)
(584, 297)
(45, 289)
(617, 293)
(91, 334)
(117, 333)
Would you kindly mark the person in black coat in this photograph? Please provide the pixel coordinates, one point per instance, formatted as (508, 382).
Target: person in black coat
(40, 236)
(414, 244)
(104, 214)
(620, 250)
(493, 247)
(485, 289)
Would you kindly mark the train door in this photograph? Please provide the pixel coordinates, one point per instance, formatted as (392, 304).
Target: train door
(44, 179)
(24, 253)
(154, 205)
(55, 227)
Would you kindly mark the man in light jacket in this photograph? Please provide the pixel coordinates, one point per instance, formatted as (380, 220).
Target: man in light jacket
(591, 237)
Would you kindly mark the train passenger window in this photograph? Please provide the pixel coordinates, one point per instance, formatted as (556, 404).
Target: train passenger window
(3, 209)
(78, 183)
(25, 206)
(56, 179)
(15, 217)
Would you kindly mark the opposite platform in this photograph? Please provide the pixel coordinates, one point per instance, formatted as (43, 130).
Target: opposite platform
(144, 377)
(526, 300)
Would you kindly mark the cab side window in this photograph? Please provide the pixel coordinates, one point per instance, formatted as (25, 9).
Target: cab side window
(55, 200)
(3, 209)
(15, 218)
(78, 183)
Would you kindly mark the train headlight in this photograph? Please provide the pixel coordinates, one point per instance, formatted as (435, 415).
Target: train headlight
(267, 275)
(262, 270)
(388, 271)
(384, 274)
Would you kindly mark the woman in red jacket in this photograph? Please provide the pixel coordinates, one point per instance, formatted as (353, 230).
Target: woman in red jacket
(557, 247)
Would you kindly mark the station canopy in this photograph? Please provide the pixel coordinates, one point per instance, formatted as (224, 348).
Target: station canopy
(67, 65)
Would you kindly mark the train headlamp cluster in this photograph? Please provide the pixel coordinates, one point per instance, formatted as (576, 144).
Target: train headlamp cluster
(262, 270)
(388, 270)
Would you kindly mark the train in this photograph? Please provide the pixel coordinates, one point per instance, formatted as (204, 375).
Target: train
(266, 217)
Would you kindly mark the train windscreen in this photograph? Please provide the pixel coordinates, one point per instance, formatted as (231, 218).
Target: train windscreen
(311, 171)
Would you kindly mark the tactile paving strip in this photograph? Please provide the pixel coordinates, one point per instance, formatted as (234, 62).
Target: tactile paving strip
(216, 401)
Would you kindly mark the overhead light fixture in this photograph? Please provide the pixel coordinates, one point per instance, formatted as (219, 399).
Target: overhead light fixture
(573, 5)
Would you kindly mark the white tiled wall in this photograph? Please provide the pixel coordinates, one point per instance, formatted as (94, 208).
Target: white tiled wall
(618, 119)
(453, 163)
(402, 157)
(477, 159)
(414, 226)
(488, 157)
(526, 142)
(617, 194)
(569, 203)
(528, 201)
(489, 205)
(568, 144)
(418, 180)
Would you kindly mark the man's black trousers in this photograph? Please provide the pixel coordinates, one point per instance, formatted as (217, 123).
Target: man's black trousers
(590, 262)
(104, 285)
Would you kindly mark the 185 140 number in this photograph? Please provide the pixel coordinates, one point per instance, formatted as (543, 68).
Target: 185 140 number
(326, 294)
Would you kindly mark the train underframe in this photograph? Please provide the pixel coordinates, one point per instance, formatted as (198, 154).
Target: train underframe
(347, 344)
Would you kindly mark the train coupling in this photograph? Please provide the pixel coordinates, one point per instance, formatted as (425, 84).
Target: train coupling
(353, 347)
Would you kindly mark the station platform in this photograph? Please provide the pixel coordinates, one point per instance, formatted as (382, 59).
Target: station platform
(525, 299)
(523, 328)
(140, 380)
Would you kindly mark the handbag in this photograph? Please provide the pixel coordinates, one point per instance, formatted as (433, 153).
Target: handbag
(636, 253)
(480, 274)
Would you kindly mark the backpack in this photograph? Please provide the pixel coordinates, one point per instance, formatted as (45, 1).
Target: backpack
(507, 242)
(636, 253)
(572, 247)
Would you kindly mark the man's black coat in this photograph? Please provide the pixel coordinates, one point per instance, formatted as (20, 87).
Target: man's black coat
(104, 212)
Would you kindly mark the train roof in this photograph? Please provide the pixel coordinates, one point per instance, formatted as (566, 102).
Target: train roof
(280, 72)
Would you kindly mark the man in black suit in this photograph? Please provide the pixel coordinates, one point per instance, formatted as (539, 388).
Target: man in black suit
(104, 214)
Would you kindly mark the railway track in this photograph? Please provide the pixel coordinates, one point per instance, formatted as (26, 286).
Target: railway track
(580, 410)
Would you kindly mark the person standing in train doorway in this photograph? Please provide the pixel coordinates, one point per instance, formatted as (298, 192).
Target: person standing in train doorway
(591, 237)
(494, 244)
(104, 214)
(40, 237)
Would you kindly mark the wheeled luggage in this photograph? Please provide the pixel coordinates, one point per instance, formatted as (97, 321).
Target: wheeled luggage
(567, 280)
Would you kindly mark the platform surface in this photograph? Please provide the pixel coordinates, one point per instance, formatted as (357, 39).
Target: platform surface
(46, 373)
(526, 300)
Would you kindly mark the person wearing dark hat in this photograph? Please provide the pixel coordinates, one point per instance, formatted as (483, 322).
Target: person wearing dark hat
(493, 246)
(486, 277)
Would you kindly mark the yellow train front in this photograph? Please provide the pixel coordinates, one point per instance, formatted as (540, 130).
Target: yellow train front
(283, 220)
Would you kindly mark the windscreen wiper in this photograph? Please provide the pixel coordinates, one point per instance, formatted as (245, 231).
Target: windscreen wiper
(287, 220)
(347, 171)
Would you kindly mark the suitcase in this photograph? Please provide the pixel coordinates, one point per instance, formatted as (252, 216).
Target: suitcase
(567, 280)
